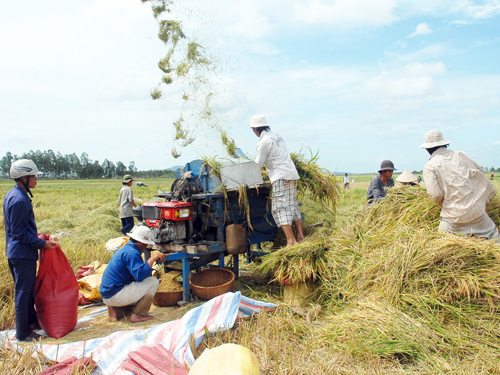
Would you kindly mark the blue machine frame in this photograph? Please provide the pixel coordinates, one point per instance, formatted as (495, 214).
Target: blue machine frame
(226, 210)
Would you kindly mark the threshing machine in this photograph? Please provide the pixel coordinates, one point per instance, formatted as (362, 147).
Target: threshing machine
(204, 217)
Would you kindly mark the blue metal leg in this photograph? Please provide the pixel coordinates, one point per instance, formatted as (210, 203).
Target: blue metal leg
(221, 259)
(186, 272)
(236, 265)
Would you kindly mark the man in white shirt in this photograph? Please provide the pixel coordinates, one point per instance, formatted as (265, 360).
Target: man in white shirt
(457, 183)
(346, 181)
(273, 153)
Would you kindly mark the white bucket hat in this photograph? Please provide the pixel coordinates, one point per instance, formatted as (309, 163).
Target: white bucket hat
(142, 234)
(434, 138)
(406, 177)
(258, 121)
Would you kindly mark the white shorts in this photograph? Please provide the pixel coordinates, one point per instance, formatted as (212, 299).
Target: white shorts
(133, 292)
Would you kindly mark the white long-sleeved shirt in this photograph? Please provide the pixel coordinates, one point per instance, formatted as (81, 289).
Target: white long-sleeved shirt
(272, 152)
(457, 183)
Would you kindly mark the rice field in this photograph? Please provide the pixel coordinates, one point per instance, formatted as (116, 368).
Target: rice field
(392, 296)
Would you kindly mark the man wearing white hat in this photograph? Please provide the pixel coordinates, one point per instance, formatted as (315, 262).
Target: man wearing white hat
(273, 153)
(127, 281)
(22, 245)
(457, 183)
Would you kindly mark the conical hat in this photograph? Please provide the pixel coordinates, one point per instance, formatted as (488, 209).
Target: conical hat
(406, 177)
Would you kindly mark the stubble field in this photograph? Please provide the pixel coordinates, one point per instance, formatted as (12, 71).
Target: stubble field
(349, 327)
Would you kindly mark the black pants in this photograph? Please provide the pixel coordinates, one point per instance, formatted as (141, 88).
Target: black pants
(127, 224)
(24, 274)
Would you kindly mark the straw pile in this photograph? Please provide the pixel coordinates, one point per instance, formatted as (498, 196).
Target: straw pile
(391, 286)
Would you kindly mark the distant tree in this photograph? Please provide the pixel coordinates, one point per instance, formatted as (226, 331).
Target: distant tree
(109, 168)
(5, 163)
(131, 167)
(121, 169)
(497, 170)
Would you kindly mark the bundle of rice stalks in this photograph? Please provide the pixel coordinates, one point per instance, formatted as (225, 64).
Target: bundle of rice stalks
(315, 180)
(430, 292)
(299, 263)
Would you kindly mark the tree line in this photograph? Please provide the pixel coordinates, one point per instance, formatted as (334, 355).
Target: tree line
(70, 166)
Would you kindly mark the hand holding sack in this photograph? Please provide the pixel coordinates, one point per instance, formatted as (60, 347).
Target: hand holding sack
(56, 292)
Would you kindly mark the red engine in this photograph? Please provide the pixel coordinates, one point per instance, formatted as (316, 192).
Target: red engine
(171, 222)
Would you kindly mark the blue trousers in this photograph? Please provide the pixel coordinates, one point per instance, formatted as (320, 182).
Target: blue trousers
(127, 224)
(24, 274)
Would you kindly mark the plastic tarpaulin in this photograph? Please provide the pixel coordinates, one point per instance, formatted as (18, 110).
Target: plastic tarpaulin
(110, 352)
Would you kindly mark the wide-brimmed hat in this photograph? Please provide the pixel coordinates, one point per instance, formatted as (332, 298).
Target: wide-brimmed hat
(127, 178)
(387, 165)
(258, 121)
(142, 234)
(406, 177)
(434, 138)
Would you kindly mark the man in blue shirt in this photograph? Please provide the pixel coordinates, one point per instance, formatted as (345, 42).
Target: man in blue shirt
(379, 184)
(22, 245)
(127, 281)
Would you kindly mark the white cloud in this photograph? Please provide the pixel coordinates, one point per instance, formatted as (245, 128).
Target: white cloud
(496, 143)
(400, 87)
(489, 9)
(430, 52)
(251, 23)
(422, 29)
(346, 13)
(421, 69)
(461, 22)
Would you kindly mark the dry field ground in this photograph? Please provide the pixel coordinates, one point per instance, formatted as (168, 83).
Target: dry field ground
(333, 335)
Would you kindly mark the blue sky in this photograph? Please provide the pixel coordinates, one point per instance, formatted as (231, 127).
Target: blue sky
(359, 80)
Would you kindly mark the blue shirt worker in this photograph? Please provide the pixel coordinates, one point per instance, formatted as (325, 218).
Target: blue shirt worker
(379, 184)
(273, 153)
(127, 283)
(22, 244)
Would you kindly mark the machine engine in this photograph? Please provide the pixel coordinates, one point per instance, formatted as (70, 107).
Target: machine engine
(171, 222)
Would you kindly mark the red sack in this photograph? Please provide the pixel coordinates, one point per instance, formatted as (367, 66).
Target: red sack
(56, 293)
(155, 360)
(70, 366)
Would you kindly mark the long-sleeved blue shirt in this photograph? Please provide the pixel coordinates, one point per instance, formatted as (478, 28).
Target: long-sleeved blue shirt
(377, 189)
(125, 267)
(20, 227)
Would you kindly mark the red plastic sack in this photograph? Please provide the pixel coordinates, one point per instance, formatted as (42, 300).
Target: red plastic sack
(56, 293)
(153, 360)
(70, 366)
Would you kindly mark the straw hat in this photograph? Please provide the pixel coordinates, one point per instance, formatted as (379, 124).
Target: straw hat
(142, 234)
(406, 177)
(258, 121)
(127, 178)
(434, 138)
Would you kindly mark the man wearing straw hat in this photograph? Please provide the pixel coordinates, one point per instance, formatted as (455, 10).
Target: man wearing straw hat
(273, 153)
(127, 283)
(126, 202)
(458, 185)
(377, 189)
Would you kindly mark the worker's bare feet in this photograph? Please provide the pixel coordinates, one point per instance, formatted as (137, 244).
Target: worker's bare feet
(112, 317)
(136, 318)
